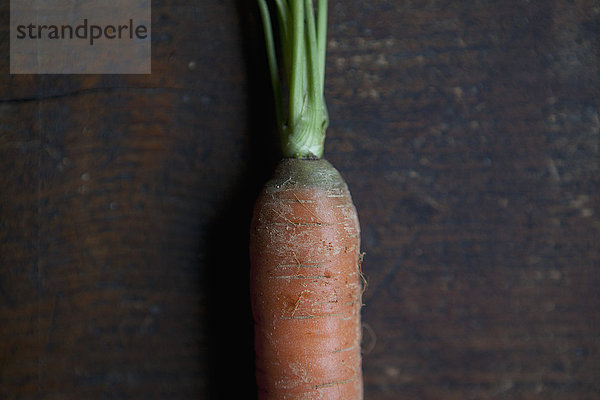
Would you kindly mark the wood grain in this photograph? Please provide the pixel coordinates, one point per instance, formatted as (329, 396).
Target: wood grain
(468, 132)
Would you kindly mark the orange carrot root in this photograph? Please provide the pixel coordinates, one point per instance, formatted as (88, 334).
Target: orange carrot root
(306, 285)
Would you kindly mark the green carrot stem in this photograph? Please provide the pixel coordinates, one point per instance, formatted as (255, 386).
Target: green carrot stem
(303, 44)
(271, 59)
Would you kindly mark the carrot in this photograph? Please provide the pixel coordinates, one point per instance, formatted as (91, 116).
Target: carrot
(305, 285)
(305, 279)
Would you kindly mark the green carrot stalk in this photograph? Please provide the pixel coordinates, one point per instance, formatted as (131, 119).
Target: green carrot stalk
(303, 47)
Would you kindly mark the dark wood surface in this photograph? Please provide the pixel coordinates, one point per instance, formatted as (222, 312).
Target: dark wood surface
(468, 132)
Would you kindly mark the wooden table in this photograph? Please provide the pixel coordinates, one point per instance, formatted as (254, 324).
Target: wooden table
(469, 134)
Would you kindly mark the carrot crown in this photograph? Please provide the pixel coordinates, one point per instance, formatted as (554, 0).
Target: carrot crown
(303, 41)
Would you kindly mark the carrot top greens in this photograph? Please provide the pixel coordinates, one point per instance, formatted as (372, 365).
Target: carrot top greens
(303, 41)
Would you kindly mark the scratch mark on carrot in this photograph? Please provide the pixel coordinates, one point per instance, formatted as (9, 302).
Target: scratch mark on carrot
(282, 216)
(307, 209)
(292, 223)
(312, 316)
(298, 301)
(306, 265)
(299, 276)
(342, 382)
(297, 200)
(346, 349)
